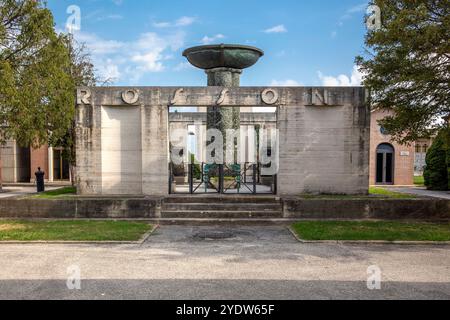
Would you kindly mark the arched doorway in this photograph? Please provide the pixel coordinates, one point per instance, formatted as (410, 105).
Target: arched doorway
(385, 164)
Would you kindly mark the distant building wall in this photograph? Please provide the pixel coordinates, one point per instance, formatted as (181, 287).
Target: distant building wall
(421, 148)
(9, 158)
(18, 164)
(404, 155)
(39, 158)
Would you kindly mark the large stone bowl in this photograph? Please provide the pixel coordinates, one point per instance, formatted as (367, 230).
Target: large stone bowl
(223, 56)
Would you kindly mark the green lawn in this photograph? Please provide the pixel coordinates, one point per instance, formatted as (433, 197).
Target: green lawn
(73, 230)
(375, 191)
(372, 230)
(419, 181)
(57, 193)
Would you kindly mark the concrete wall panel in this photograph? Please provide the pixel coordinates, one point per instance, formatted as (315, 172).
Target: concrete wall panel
(121, 150)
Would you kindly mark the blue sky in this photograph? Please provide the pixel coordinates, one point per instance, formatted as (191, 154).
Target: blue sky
(137, 42)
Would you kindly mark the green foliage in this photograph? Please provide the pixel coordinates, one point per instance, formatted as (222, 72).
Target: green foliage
(436, 171)
(72, 230)
(372, 231)
(407, 66)
(68, 191)
(37, 90)
(447, 146)
(419, 181)
(197, 169)
(82, 74)
(390, 194)
(39, 71)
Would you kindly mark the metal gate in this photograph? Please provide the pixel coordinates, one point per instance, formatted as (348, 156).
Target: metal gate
(205, 178)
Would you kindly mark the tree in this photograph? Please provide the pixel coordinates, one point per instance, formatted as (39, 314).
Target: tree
(82, 73)
(407, 66)
(436, 172)
(39, 71)
(37, 92)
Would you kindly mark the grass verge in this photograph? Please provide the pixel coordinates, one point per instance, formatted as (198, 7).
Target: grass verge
(419, 181)
(57, 193)
(374, 191)
(372, 230)
(72, 230)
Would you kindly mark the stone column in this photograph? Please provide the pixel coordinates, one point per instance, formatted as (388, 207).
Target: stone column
(224, 118)
(50, 165)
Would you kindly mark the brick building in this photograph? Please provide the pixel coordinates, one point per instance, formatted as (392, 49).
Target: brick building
(19, 164)
(390, 162)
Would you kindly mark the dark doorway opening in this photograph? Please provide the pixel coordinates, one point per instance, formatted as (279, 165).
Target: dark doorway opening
(385, 164)
(23, 164)
(61, 167)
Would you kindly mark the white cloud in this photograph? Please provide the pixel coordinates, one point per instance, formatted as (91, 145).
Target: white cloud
(277, 29)
(208, 40)
(181, 22)
(109, 71)
(161, 24)
(358, 8)
(281, 53)
(185, 21)
(342, 80)
(183, 66)
(149, 61)
(285, 83)
(131, 60)
(351, 11)
(97, 45)
(110, 17)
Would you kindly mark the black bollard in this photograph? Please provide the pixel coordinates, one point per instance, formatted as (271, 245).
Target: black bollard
(40, 180)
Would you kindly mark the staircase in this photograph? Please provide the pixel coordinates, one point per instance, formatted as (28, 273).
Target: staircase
(222, 207)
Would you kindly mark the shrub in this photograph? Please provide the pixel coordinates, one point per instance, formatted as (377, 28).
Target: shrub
(448, 162)
(437, 171)
(197, 172)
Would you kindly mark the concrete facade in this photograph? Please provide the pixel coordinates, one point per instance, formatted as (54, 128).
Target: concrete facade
(323, 136)
(404, 155)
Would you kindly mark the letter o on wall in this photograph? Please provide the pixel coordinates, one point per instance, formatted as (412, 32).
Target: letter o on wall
(130, 96)
(269, 96)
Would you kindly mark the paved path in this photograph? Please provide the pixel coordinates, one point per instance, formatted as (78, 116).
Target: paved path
(11, 192)
(258, 263)
(421, 191)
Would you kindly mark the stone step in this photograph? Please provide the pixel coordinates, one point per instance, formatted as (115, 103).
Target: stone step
(221, 214)
(222, 207)
(223, 199)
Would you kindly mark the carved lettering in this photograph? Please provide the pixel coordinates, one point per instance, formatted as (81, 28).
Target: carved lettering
(130, 96)
(84, 96)
(176, 97)
(318, 98)
(222, 97)
(269, 96)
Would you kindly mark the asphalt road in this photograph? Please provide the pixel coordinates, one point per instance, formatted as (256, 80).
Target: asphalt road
(421, 191)
(256, 263)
